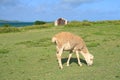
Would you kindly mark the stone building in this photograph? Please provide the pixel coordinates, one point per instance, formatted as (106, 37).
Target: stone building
(60, 21)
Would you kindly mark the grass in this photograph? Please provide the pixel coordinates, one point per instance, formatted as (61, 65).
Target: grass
(36, 43)
(30, 55)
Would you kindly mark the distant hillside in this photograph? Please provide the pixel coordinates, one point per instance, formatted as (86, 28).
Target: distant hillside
(8, 21)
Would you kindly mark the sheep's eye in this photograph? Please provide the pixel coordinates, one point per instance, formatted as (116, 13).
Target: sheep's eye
(91, 59)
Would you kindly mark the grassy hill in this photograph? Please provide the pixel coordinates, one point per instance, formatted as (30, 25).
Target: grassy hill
(30, 55)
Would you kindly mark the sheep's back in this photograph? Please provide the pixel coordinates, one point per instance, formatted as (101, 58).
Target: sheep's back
(65, 37)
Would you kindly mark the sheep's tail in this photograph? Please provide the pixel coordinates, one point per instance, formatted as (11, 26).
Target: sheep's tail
(54, 40)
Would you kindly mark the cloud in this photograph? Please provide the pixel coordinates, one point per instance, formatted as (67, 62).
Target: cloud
(75, 3)
(9, 2)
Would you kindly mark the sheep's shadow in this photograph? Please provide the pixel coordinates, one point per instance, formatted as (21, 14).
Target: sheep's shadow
(64, 60)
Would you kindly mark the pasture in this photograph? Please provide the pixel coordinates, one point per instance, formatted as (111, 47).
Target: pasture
(30, 55)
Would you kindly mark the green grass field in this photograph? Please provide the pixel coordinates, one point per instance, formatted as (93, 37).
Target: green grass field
(30, 55)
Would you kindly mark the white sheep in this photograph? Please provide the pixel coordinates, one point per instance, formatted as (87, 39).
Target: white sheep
(66, 41)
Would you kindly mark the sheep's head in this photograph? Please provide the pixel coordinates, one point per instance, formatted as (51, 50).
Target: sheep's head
(89, 59)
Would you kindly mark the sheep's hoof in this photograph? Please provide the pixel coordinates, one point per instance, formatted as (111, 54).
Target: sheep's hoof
(80, 65)
(68, 65)
(60, 67)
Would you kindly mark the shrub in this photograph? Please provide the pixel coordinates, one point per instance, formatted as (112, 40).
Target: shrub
(73, 24)
(78, 24)
(36, 27)
(114, 22)
(9, 29)
(6, 25)
(86, 24)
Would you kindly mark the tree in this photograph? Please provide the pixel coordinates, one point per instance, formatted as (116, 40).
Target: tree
(39, 22)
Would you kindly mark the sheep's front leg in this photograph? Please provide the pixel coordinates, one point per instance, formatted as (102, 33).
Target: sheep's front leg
(59, 54)
(77, 54)
(68, 61)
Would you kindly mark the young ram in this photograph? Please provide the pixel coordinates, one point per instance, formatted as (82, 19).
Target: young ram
(66, 41)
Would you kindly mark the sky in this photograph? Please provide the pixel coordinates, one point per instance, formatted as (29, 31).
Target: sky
(50, 10)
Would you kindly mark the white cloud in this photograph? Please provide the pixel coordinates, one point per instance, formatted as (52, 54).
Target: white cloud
(75, 3)
(78, 1)
(9, 2)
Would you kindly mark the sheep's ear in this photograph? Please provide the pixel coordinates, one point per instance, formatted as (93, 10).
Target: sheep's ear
(53, 39)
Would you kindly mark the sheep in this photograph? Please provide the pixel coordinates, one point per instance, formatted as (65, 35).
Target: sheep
(66, 41)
